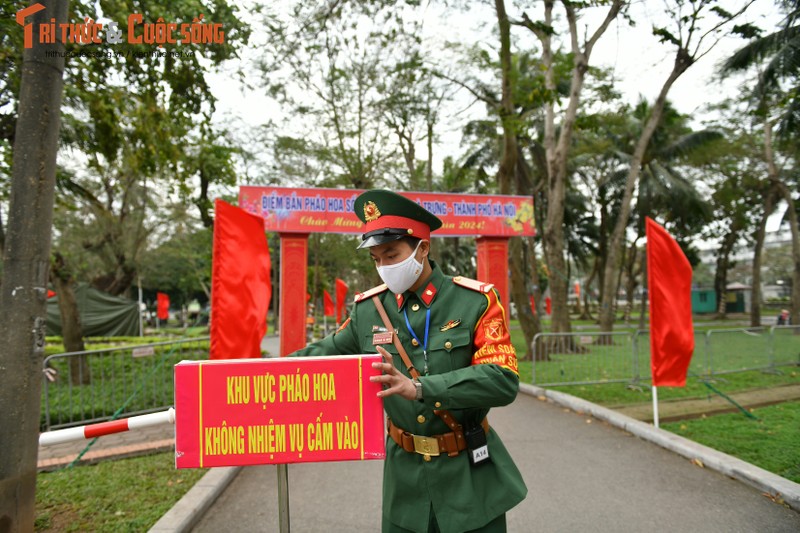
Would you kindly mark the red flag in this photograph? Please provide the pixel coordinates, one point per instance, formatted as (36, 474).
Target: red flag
(162, 306)
(669, 277)
(240, 283)
(327, 303)
(341, 294)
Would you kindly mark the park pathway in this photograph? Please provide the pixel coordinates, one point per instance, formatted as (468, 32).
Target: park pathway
(583, 475)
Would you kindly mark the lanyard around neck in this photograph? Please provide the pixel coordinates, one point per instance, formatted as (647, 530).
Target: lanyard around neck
(424, 343)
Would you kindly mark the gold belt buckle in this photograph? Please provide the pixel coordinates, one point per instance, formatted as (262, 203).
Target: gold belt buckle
(426, 445)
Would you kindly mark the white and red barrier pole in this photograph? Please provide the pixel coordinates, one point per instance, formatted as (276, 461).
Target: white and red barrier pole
(106, 428)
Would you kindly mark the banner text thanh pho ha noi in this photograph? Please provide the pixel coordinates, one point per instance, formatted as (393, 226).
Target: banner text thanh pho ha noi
(277, 411)
(309, 210)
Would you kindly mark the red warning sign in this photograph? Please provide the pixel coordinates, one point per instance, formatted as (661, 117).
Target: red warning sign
(276, 411)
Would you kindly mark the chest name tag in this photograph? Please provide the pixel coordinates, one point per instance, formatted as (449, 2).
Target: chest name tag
(382, 338)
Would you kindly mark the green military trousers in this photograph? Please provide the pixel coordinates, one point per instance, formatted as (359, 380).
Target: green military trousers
(498, 525)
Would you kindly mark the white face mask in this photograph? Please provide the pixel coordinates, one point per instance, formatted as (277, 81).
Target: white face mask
(401, 276)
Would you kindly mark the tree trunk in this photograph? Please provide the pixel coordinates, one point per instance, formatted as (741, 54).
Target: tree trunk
(429, 166)
(774, 177)
(527, 320)
(508, 161)
(26, 260)
(556, 155)
(203, 203)
(508, 170)
(630, 282)
(71, 330)
(587, 312)
(793, 222)
(557, 151)
(682, 62)
(645, 288)
(723, 262)
(755, 304)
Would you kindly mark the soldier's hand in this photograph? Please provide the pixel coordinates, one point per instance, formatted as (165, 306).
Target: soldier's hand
(393, 381)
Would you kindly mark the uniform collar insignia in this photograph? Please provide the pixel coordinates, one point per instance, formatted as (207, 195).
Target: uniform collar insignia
(428, 294)
(450, 325)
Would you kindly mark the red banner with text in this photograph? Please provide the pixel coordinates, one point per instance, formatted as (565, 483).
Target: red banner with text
(277, 411)
(294, 210)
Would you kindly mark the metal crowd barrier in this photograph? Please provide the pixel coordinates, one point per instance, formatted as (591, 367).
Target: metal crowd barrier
(592, 357)
(97, 385)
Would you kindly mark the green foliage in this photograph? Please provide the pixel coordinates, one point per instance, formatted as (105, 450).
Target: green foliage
(775, 56)
(371, 97)
(88, 498)
(181, 265)
(126, 106)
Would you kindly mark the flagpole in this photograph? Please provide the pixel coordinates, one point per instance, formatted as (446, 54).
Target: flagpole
(655, 405)
(141, 326)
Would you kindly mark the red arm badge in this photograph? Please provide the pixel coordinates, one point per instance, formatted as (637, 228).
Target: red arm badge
(492, 338)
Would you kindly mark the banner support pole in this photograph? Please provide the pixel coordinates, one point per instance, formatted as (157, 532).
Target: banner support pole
(655, 405)
(283, 498)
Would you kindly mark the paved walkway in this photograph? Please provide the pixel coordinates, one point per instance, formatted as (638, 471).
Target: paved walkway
(582, 475)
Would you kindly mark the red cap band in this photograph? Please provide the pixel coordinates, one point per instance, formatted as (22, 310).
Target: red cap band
(418, 229)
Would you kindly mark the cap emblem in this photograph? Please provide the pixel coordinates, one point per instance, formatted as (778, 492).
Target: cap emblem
(371, 212)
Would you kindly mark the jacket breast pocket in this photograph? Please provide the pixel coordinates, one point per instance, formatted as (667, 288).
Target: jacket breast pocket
(450, 350)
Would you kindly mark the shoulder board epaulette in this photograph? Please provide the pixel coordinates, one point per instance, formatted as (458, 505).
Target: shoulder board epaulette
(473, 284)
(371, 292)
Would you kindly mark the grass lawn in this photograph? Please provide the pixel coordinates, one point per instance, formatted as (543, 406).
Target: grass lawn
(123, 495)
(619, 394)
(772, 442)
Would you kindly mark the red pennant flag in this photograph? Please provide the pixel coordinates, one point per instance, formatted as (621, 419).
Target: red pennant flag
(162, 306)
(669, 277)
(240, 283)
(327, 303)
(341, 295)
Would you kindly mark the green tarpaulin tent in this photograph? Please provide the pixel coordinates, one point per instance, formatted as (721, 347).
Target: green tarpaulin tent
(102, 315)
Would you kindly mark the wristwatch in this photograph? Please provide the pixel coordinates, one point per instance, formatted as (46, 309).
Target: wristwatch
(418, 386)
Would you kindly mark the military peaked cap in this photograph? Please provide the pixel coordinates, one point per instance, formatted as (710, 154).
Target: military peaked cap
(389, 217)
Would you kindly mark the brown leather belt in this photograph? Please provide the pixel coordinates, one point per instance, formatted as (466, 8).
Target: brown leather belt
(450, 443)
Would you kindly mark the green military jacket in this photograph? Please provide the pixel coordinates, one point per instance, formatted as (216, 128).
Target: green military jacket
(471, 367)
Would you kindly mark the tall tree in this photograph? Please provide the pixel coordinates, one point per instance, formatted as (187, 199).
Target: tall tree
(667, 186)
(734, 169)
(513, 112)
(689, 35)
(26, 259)
(348, 56)
(777, 56)
(558, 138)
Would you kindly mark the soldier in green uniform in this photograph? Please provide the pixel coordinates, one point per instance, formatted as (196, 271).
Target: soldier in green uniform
(446, 470)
